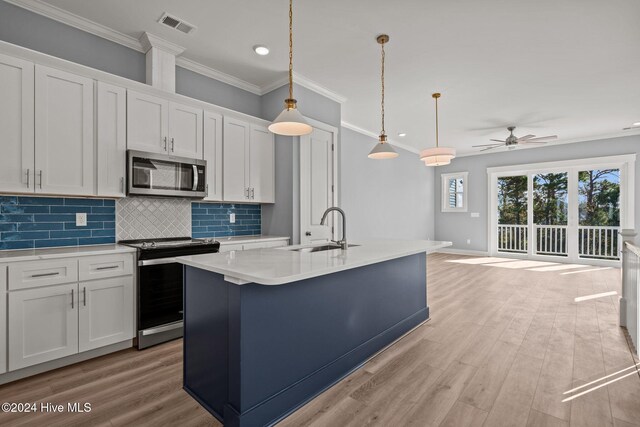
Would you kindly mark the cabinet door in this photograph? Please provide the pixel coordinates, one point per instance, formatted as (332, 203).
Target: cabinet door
(185, 131)
(261, 165)
(64, 133)
(235, 164)
(16, 122)
(43, 325)
(106, 312)
(147, 123)
(112, 140)
(213, 154)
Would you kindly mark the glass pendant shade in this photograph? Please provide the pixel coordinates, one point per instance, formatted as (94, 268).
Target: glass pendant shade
(382, 150)
(437, 156)
(290, 123)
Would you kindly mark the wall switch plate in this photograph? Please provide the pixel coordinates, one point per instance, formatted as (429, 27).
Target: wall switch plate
(81, 219)
(475, 214)
(232, 218)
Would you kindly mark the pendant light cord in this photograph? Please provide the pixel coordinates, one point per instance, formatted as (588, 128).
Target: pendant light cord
(382, 81)
(436, 98)
(290, 49)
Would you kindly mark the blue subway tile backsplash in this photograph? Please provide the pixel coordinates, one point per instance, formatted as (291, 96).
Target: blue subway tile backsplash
(212, 220)
(44, 222)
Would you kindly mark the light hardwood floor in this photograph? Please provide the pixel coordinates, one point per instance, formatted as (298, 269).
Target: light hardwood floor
(505, 342)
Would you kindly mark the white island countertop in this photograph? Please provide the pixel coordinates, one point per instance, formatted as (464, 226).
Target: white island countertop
(281, 265)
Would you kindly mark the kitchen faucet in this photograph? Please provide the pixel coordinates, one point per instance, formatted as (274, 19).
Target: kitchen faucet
(343, 241)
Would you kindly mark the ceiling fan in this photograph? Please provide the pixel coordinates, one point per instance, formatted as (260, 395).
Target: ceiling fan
(512, 141)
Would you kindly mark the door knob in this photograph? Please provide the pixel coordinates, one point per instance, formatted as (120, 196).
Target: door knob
(308, 233)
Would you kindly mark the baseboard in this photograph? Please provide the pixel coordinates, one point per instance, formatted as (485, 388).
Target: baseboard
(65, 361)
(455, 251)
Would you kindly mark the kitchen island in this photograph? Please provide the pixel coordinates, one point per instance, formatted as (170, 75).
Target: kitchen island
(266, 330)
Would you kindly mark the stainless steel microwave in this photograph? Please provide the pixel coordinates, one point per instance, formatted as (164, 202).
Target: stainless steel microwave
(151, 174)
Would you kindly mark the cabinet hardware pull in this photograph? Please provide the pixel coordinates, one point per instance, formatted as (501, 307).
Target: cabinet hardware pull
(308, 233)
(165, 143)
(84, 292)
(207, 189)
(33, 276)
(109, 267)
(253, 193)
(72, 298)
(41, 179)
(247, 189)
(122, 184)
(28, 183)
(172, 146)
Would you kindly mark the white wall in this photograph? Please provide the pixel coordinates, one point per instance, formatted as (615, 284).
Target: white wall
(458, 226)
(388, 199)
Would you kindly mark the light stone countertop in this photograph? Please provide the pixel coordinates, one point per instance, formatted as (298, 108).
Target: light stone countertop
(62, 252)
(248, 239)
(278, 266)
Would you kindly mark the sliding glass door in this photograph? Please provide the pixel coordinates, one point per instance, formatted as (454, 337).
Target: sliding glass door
(572, 213)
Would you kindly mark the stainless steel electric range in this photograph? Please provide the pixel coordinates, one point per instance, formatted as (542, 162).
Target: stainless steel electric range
(160, 286)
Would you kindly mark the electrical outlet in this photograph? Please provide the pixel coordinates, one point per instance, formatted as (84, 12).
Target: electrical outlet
(475, 214)
(81, 219)
(468, 241)
(232, 218)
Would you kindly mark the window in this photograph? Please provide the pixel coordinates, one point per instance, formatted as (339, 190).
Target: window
(454, 192)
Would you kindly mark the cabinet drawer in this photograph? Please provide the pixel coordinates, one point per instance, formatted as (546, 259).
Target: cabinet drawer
(229, 248)
(101, 267)
(31, 274)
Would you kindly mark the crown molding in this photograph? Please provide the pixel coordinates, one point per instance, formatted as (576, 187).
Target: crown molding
(68, 18)
(212, 73)
(148, 40)
(375, 136)
(84, 24)
(307, 83)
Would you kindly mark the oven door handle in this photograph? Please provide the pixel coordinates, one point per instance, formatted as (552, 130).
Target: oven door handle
(160, 261)
(195, 178)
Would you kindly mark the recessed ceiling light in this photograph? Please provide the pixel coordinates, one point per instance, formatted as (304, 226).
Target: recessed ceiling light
(636, 124)
(402, 134)
(261, 50)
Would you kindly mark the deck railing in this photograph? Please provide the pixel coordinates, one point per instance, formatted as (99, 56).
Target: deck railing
(630, 301)
(512, 238)
(551, 240)
(598, 242)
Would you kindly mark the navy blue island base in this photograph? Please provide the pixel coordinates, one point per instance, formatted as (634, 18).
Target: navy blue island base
(254, 353)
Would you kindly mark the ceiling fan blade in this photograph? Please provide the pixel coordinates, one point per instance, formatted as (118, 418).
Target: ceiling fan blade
(541, 138)
(532, 142)
(487, 145)
(526, 137)
(491, 148)
(498, 140)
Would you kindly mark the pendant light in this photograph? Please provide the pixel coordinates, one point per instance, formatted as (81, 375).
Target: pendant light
(437, 156)
(290, 122)
(382, 150)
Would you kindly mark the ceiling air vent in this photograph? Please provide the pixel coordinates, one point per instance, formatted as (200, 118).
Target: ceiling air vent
(177, 23)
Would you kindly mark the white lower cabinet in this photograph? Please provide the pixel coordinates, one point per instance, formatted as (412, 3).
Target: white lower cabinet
(105, 312)
(3, 319)
(43, 325)
(48, 320)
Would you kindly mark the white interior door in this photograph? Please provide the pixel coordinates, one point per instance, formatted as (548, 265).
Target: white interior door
(64, 132)
(43, 325)
(317, 185)
(185, 131)
(16, 122)
(106, 312)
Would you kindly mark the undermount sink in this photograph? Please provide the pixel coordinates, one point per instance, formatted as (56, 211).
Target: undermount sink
(320, 248)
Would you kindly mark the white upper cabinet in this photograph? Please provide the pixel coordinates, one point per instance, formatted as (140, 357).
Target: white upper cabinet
(112, 140)
(64, 161)
(249, 172)
(16, 122)
(147, 123)
(236, 157)
(185, 131)
(213, 154)
(261, 165)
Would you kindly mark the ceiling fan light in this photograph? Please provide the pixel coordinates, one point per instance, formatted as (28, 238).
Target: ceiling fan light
(437, 161)
(442, 152)
(382, 151)
(290, 123)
